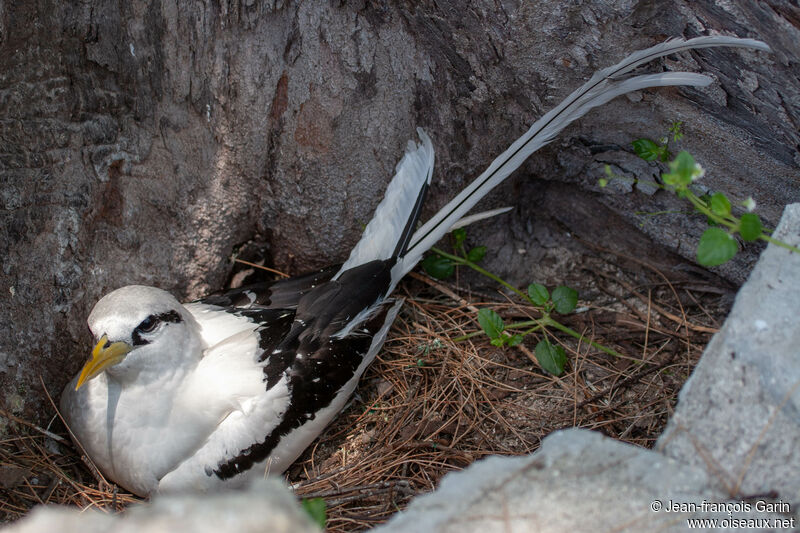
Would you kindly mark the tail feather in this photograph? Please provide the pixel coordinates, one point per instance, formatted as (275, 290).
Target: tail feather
(673, 46)
(483, 215)
(602, 87)
(395, 218)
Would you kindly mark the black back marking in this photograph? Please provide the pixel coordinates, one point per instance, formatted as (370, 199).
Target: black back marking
(274, 325)
(316, 364)
(270, 334)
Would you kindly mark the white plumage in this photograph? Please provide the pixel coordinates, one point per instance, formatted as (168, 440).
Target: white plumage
(211, 393)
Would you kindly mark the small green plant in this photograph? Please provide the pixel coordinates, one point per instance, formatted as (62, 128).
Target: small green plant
(429, 347)
(718, 243)
(551, 357)
(562, 300)
(317, 509)
(440, 267)
(649, 150)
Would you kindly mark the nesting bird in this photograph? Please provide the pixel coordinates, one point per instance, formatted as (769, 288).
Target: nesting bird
(236, 385)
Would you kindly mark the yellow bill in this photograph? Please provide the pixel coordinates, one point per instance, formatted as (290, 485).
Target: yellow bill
(104, 355)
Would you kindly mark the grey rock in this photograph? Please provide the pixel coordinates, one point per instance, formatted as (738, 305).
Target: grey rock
(577, 481)
(265, 506)
(738, 415)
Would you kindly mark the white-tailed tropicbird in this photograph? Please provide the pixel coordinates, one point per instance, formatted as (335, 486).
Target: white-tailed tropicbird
(213, 392)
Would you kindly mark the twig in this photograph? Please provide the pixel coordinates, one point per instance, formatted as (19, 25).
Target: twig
(444, 290)
(625, 382)
(43, 431)
(84, 456)
(262, 267)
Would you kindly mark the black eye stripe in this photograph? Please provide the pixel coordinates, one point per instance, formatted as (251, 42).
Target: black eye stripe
(137, 339)
(150, 323)
(169, 316)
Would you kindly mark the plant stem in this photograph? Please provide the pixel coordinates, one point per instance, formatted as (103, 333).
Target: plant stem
(656, 213)
(701, 206)
(730, 221)
(547, 321)
(476, 268)
(776, 242)
(733, 224)
(540, 323)
(536, 323)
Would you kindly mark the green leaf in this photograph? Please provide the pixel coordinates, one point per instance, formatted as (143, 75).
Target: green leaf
(565, 299)
(716, 246)
(647, 149)
(675, 130)
(551, 358)
(683, 170)
(438, 267)
(499, 341)
(514, 340)
(491, 323)
(316, 508)
(476, 254)
(538, 293)
(602, 182)
(750, 227)
(720, 204)
(459, 236)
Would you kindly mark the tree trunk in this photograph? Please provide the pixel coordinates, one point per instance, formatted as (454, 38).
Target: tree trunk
(143, 142)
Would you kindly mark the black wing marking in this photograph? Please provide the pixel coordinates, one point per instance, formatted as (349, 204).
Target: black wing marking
(275, 325)
(272, 305)
(317, 364)
(284, 293)
(333, 305)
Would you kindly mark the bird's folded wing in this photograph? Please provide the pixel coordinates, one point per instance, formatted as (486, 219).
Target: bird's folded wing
(290, 380)
(319, 380)
(284, 293)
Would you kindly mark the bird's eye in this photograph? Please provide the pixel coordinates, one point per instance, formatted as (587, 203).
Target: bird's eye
(148, 324)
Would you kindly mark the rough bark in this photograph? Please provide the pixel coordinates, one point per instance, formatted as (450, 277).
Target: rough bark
(143, 142)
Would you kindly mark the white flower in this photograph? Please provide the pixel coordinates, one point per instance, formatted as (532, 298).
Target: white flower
(749, 204)
(698, 172)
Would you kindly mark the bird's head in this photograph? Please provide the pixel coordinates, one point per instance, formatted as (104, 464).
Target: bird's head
(138, 328)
